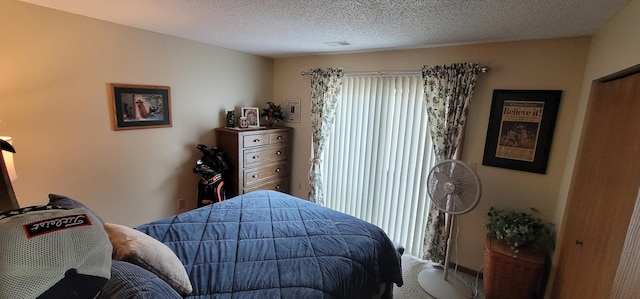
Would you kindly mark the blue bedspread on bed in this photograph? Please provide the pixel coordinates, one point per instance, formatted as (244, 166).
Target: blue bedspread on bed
(268, 244)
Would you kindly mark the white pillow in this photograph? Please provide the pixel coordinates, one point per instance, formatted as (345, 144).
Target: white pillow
(139, 248)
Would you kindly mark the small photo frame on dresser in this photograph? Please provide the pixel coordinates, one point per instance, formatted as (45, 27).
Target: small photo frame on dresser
(253, 116)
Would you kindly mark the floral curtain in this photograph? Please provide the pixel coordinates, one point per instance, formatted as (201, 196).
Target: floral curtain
(447, 94)
(326, 84)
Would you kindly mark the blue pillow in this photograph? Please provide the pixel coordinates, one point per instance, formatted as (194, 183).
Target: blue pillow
(134, 282)
(69, 203)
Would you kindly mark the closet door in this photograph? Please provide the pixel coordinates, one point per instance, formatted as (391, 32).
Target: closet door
(603, 191)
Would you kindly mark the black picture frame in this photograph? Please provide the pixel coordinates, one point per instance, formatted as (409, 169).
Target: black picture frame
(140, 106)
(520, 131)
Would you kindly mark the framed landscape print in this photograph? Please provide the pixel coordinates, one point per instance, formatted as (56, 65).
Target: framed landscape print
(520, 131)
(140, 106)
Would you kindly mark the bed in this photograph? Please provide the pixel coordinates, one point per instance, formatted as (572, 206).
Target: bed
(267, 244)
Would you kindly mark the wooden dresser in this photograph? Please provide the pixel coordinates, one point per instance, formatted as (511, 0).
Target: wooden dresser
(259, 159)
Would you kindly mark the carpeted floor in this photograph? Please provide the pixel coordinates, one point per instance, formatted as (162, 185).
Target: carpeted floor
(411, 267)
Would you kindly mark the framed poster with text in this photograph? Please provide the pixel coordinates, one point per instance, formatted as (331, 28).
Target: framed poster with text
(520, 131)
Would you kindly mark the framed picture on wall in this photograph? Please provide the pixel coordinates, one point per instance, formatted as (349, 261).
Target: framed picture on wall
(140, 106)
(520, 131)
(253, 116)
(292, 113)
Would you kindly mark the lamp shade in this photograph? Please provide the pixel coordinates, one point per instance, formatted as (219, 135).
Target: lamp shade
(8, 160)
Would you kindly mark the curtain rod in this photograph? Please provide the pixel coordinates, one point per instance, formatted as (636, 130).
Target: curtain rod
(483, 69)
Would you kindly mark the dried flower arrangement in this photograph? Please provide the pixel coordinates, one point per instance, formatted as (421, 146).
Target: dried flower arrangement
(272, 113)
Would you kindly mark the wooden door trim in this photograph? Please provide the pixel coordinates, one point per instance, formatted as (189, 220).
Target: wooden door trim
(620, 74)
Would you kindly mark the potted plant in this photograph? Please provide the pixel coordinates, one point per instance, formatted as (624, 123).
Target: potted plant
(519, 229)
(515, 254)
(272, 114)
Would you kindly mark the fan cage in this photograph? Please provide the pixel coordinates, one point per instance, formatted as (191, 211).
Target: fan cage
(467, 186)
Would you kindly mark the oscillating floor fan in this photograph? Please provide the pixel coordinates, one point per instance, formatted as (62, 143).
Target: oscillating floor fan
(455, 189)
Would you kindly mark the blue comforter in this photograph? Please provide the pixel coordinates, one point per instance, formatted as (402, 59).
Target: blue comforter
(267, 244)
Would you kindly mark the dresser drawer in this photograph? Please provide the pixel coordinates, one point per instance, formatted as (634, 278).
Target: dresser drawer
(257, 156)
(281, 185)
(255, 175)
(279, 137)
(254, 140)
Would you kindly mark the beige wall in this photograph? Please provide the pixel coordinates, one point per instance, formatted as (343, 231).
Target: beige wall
(55, 69)
(543, 64)
(613, 48)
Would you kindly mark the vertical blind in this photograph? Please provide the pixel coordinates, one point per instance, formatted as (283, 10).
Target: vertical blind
(378, 156)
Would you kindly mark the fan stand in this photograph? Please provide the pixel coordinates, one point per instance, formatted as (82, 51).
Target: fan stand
(436, 282)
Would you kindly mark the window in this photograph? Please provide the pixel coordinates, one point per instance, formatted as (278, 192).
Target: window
(379, 154)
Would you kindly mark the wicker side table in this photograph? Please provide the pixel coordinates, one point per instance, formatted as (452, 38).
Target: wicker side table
(508, 277)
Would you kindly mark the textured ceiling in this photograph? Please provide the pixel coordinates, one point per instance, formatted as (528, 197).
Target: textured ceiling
(284, 28)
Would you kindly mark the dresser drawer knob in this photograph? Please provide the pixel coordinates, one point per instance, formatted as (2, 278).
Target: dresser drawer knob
(277, 187)
(256, 140)
(278, 153)
(278, 169)
(279, 137)
(255, 157)
(254, 176)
